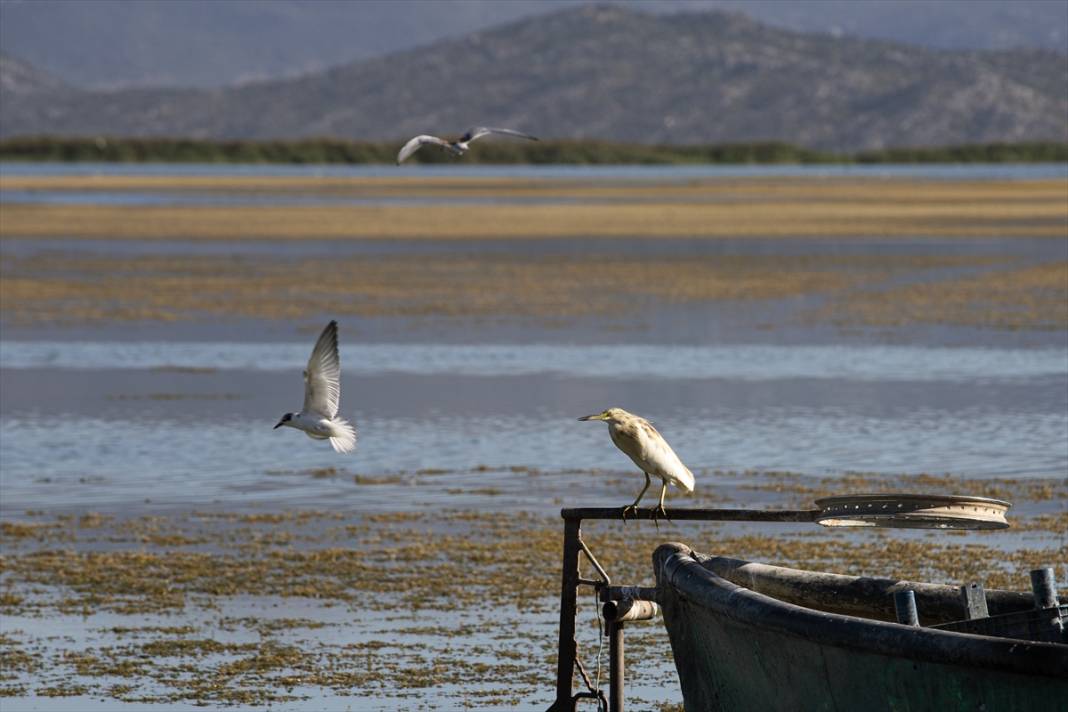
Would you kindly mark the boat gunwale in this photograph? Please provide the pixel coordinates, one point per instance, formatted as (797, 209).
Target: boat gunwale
(934, 600)
(677, 567)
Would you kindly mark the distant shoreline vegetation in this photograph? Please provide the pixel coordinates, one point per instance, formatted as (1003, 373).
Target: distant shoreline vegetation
(314, 151)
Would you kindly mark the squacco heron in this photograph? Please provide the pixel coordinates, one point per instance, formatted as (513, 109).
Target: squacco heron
(638, 439)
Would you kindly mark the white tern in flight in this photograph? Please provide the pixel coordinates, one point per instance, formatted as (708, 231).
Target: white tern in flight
(458, 147)
(322, 391)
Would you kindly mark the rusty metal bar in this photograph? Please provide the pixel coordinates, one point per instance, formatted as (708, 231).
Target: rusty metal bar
(565, 663)
(594, 693)
(630, 610)
(606, 581)
(698, 515)
(567, 657)
(622, 593)
(615, 665)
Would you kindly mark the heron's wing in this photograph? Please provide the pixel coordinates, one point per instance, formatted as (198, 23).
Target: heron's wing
(322, 379)
(480, 131)
(627, 439)
(413, 146)
(662, 459)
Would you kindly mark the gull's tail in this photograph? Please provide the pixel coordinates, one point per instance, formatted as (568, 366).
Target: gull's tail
(342, 435)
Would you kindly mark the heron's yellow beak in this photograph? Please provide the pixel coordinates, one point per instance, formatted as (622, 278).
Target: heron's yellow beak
(598, 416)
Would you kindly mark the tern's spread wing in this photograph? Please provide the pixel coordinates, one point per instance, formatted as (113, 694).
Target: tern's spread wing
(413, 146)
(480, 131)
(322, 380)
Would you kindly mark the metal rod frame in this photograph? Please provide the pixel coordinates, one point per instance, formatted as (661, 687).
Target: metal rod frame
(570, 580)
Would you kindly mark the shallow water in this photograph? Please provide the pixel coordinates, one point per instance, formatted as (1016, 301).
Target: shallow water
(479, 417)
(400, 641)
(111, 424)
(949, 171)
(731, 362)
(192, 198)
(1017, 248)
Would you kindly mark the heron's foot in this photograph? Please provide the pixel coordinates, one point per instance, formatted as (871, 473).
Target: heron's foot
(659, 511)
(630, 508)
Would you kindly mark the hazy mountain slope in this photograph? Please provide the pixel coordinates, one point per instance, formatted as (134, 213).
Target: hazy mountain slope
(609, 73)
(21, 78)
(112, 43)
(186, 43)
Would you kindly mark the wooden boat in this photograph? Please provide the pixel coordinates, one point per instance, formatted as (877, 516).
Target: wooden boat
(748, 636)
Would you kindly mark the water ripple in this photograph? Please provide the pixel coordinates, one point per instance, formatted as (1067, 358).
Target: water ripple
(754, 362)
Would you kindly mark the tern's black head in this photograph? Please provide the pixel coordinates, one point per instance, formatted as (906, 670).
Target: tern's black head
(285, 419)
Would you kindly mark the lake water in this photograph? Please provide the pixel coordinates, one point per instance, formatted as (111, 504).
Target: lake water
(116, 423)
(180, 413)
(1022, 171)
(174, 421)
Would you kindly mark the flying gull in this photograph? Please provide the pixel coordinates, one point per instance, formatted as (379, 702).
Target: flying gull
(458, 147)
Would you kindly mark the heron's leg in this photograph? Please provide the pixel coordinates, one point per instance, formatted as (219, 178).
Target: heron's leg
(660, 508)
(663, 491)
(634, 507)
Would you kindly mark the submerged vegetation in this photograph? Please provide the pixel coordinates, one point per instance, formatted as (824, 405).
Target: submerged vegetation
(578, 152)
(249, 608)
(552, 286)
(330, 207)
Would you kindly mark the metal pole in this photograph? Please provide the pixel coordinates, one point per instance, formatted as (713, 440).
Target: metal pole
(630, 610)
(565, 664)
(905, 605)
(697, 515)
(615, 664)
(973, 596)
(570, 580)
(633, 593)
(1044, 588)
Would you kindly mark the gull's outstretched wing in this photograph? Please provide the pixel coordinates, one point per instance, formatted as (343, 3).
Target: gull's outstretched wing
(480, 131)
(413, 146)
(322, 379)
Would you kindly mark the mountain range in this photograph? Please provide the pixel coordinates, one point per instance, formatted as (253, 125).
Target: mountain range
(110, 44)
(604, 72)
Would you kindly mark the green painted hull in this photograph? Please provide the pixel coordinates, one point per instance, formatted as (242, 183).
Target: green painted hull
(740, 650)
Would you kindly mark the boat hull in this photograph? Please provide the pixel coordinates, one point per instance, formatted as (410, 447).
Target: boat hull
(736, 649)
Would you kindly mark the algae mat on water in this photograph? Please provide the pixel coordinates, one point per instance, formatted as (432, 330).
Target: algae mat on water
(730, 208)
(72, 287)
(439, 609)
